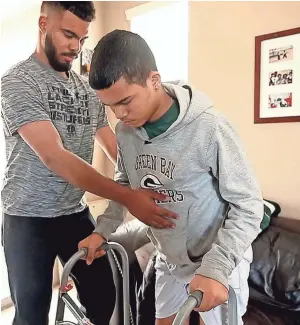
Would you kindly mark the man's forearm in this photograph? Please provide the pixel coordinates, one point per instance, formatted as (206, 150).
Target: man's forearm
(82, 175)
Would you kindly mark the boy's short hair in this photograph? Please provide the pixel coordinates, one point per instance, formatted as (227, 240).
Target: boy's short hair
(85, 10)
(121, 54)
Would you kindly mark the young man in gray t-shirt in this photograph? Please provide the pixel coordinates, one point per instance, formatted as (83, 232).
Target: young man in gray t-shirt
(51, 118)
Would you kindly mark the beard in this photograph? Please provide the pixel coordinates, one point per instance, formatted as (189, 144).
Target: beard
(51, 54)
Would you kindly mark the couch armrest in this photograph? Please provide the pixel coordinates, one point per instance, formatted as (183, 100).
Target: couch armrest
(289, 224)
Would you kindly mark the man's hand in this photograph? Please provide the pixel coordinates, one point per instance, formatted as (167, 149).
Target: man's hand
(214, 293)
(92, 243)
(140, 203)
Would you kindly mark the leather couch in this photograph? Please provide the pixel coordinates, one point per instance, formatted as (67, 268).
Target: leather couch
(274, 279)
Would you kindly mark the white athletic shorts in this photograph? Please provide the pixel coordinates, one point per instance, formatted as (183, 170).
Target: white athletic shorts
(170, 293)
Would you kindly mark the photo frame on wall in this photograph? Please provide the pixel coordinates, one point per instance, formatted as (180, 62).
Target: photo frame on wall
(277, 77)
(85, 61)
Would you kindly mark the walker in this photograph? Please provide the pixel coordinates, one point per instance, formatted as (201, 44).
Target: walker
(194, 301)
(65, 299)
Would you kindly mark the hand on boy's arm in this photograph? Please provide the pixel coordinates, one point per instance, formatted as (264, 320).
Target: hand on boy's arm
(214, 293)
(92, 243)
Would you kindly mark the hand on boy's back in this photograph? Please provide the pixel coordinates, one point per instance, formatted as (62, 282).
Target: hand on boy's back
(141, 204)
(214, 293)
(92, 243)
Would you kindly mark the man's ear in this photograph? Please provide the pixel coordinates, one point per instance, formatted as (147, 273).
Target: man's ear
(42, 24)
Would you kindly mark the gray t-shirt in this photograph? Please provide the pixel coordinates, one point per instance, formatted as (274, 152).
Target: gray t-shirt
(33, 91)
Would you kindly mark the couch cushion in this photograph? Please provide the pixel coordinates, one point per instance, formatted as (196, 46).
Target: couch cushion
(275, 272)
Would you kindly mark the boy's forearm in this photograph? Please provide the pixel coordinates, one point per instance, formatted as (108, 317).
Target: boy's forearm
(238, 186)
(82, 175)
(110, 219)
(240, 229)
(132, 235)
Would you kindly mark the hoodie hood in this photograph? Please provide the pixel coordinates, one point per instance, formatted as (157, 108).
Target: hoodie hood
(192, 104)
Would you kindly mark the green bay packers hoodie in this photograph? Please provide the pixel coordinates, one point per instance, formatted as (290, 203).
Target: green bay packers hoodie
(200, 164)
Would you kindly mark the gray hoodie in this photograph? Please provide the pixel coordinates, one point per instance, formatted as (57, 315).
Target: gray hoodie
(201, 165)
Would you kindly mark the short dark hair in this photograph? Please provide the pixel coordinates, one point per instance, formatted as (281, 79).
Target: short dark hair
(84, 10)
(121, 54)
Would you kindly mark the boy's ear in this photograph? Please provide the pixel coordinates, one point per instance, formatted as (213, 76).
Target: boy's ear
(155, 79)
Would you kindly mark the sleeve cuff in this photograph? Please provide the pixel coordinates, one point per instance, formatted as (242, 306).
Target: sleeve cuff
(215, 271)
(14, 127)
(106, 227)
